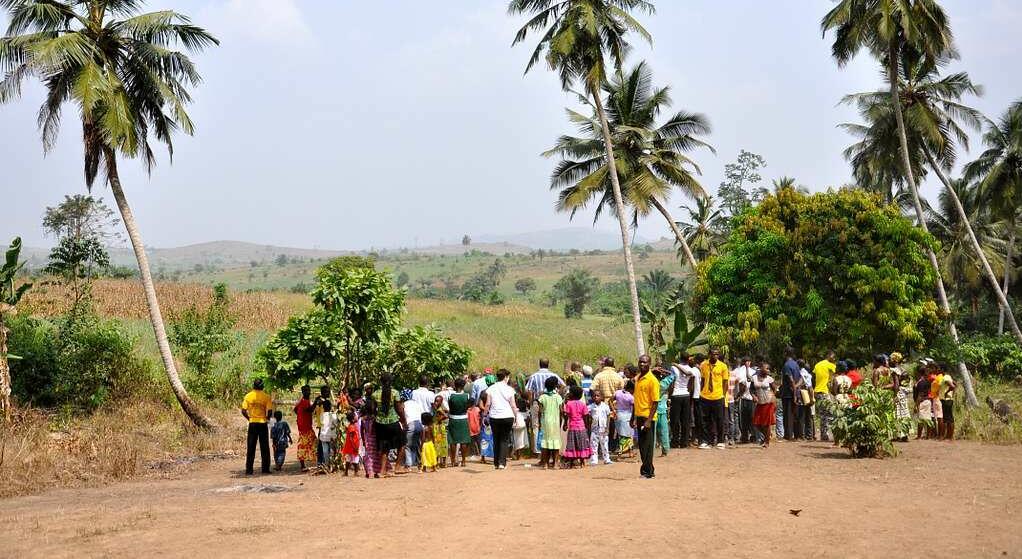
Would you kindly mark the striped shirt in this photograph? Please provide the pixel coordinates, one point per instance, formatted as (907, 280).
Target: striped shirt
(537, 382)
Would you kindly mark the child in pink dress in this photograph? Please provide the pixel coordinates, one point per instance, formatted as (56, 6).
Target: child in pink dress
(575, 418)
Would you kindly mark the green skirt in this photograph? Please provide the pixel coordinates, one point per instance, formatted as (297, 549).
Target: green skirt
(457, 432)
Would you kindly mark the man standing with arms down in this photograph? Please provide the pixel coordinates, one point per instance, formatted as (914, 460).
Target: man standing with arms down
(647, 397)
(716, 377)
(791, 383)
(256, 408)
(535, 386)
(822, 373)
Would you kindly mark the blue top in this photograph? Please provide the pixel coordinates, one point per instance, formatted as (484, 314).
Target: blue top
(792, 375)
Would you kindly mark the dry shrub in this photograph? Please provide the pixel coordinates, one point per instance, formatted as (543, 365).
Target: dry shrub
(125, 299)
(40, 450)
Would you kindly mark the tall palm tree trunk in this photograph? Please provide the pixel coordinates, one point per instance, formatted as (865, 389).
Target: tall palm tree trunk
(1008, 264)
(677, 233)
(987, 270)
(619, 207)
(155, 316)
(906, 161)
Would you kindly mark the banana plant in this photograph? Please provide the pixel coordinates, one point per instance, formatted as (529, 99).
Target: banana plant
(10, 295)
(670, 350)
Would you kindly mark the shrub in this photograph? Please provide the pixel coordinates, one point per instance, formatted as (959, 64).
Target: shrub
(869, 428)
(211, 349)
(79, 361)
(423, 350)
(996, 356)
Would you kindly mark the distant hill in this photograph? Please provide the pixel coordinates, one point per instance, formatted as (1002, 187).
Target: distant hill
(220, 254)
(237, 254)
(567, 238)
(498, 248)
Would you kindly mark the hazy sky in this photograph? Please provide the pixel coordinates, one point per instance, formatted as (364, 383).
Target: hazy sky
(342, 124)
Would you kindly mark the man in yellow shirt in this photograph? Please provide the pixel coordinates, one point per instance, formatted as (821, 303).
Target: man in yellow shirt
(715, 375)
(647, 397)
(822, 372)
(256, 408)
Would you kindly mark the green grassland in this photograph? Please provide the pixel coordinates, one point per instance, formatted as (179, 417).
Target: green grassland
(436, 269)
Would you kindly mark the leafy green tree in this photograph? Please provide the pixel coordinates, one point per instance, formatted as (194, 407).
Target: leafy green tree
(10, 296)
(422, 350)
(482, 287)
(117, 67)
(311, 346)
(367, 308)
(576, 289)
(889, 30)
(81, 216)
(77, 261)
(525, 286)
(738, 191)
(999, 170)
(651, 160)
(578, 36)
(828, 271)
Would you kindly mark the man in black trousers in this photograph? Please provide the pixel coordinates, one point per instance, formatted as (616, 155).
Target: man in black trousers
(256, 408)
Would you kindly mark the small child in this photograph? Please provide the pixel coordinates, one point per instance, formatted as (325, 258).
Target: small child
(599, 437)
(280, 434)
(550, 431)
(328, 435)
(574, 420)
(428, 461)
(440, 429)
(475, 429)
(351, 443)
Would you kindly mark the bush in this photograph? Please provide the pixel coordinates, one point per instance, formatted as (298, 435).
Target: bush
(209, 347)
(995, 356)
(869, 428)
(79, 361)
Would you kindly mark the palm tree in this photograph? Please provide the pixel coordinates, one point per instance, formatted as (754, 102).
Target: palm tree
(934, 116)
(790, 182)
(650, 159)
(704, 229)
(886, 28)
(118, 68)
(999, 168)
(578, 36)
(958, 256)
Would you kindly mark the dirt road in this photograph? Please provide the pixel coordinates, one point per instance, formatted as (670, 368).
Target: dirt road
(934, 500)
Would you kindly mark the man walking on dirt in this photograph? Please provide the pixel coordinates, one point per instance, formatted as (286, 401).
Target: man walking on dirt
(256, 408)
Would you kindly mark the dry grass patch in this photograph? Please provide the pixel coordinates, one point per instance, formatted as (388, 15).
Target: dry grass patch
(40, 450)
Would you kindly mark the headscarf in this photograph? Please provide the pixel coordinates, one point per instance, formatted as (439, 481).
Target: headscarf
(491, 380)
(406, 395)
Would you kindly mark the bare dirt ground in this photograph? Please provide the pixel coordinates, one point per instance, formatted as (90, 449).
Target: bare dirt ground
(934, 500)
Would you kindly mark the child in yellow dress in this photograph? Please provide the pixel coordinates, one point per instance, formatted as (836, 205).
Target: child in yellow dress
(429, 461)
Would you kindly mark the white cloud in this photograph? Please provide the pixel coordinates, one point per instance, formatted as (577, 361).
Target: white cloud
(278, 22)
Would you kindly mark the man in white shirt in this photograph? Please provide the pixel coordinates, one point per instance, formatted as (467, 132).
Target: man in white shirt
(423, 395)
(742, 407)
(501, 407)
(681, 401)
(413, 429)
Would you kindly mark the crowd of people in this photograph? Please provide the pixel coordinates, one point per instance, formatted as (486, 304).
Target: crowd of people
(586, 416)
